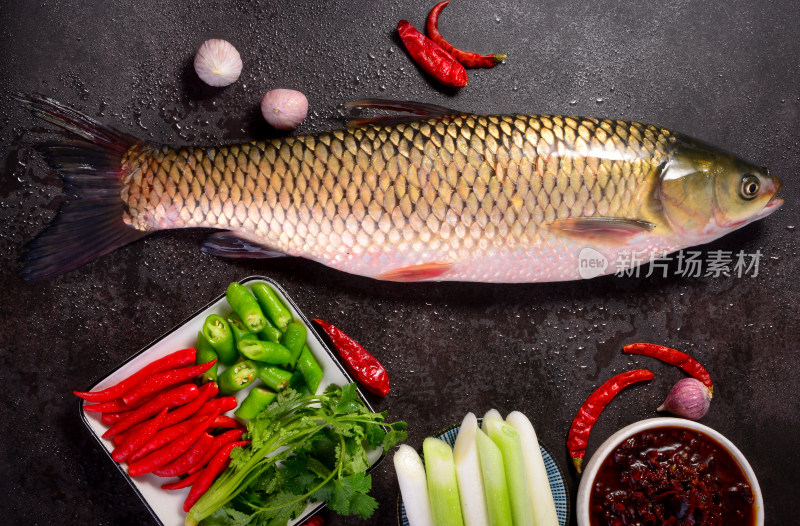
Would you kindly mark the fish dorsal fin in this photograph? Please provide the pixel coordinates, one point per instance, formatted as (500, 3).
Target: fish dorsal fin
(601, 228)
(412, 111)
(231, 245)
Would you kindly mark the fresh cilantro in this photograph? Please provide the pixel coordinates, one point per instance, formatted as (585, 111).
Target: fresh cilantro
(302, 447)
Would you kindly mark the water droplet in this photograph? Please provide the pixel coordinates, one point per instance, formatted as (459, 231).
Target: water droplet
(600, 100)
(790, 227)
(573, 102)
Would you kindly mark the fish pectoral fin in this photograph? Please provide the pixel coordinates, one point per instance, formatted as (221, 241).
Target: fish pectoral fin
(232, 245)
(421, 272)
(600, 228)
(413, 111)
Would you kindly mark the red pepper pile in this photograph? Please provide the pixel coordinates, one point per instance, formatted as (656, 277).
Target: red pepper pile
(437, 56)
(162, 423)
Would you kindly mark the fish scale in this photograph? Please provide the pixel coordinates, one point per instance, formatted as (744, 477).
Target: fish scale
(441, 188)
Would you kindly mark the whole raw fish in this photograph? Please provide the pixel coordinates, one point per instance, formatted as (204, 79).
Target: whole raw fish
(431, 196)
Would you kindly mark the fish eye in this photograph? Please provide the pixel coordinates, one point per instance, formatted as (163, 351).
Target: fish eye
(750, 186)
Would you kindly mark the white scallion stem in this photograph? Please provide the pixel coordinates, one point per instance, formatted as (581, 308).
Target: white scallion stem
(442, 485)
(541, 498)
(491, 414)
(507, 440)
(495, 487)
(413, 486)
(468, 473)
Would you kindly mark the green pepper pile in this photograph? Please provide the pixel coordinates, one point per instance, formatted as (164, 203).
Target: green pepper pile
(262, 333)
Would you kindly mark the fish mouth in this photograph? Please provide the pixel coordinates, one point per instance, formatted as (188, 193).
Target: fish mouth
(773, 204)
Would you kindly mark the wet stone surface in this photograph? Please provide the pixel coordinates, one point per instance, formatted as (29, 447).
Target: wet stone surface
(724, 72)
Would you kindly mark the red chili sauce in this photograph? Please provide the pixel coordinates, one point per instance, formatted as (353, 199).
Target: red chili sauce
(671, 476)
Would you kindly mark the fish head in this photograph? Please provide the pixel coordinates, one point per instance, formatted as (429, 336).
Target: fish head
(706, 193)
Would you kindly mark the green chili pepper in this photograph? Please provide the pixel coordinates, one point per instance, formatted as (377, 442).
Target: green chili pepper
(220, 336)
(310, 368)
(246, 306)
(294, 339)
(237, 377)
(258, 400)
(272, 305)
(270, 332)
(206, 353)
(240, 332)
(267, 352)
(273, 377)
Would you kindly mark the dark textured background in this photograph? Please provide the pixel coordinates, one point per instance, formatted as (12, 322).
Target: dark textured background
(724, 71)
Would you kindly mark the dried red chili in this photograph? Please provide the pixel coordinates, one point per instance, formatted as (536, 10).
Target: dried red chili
(365, 367)
(468, 59)
(590, 411)
(430, 56)
(673, 357)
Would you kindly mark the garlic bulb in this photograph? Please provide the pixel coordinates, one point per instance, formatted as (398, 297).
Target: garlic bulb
(217, 63)
(284, 109)
(689, 398)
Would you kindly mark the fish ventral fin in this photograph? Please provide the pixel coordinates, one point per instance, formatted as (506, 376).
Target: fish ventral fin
(412, 111)
(421, 272)
(604, 229)
(90, 224)
(231, 245)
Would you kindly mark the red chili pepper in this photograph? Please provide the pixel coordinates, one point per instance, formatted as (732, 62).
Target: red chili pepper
(135, 439)
(181, 465)
(219, 442)
(185, 482)
(430, 56)
(160, 381)
(590, 410)
(117, 406)
(316, 520)
(205, 392)
(168, 435)
(210, 473)
(223, 403)
(171, 361)
(170, 452)
(365, 367)
(175, 397)
(110, 419)
(225, 422)
(673, 357)
(468, 59)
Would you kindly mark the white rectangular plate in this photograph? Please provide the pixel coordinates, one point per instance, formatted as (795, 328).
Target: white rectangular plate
(167, 506)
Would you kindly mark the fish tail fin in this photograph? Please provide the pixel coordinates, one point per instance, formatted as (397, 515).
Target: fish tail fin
(90, 224)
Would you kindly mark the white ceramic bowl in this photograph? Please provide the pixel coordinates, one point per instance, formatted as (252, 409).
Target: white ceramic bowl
(585, 486)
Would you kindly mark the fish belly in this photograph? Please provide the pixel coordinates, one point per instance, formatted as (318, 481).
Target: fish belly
(473, 196)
